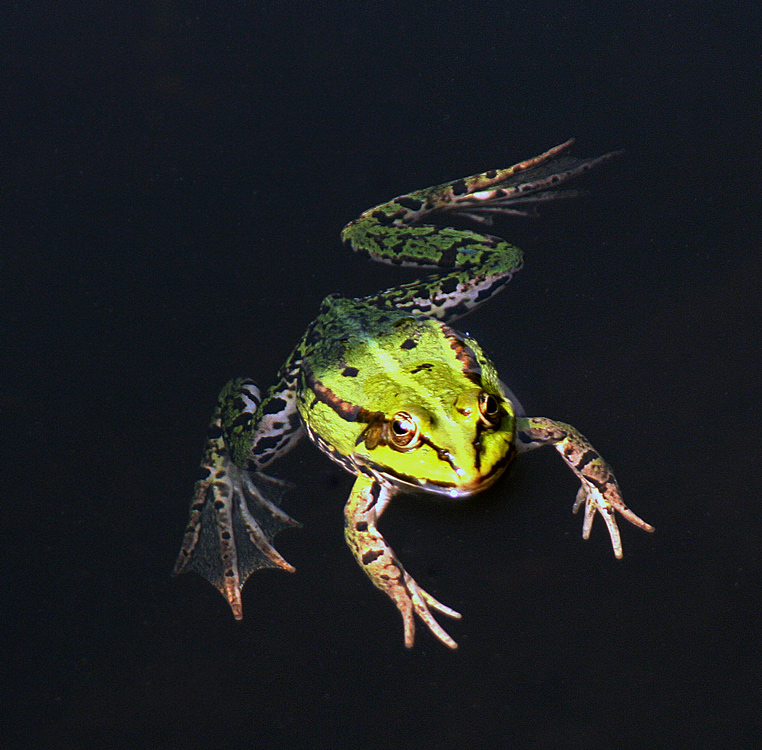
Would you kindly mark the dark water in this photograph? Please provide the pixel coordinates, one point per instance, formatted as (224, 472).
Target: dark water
(174, 177)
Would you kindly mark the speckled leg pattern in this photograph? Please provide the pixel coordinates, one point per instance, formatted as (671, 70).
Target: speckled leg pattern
(473, 266)
(377, 559)
(234, 514)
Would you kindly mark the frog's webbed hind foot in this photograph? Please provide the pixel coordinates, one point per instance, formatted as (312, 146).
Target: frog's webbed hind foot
(233, 520)
(514, 190)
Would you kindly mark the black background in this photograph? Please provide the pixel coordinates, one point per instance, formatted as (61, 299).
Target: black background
(174, 178)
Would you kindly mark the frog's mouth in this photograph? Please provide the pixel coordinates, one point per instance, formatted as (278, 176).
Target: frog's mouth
(454, 490)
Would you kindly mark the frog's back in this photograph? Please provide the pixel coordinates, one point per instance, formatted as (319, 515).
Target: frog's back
(352, 342)
(361, 359)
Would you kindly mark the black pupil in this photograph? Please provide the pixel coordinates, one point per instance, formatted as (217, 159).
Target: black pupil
(490, 405)
(401, 428)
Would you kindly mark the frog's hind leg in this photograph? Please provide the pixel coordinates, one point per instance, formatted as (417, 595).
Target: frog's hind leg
(231, 528)
(234, 514)
(514, 190)
(472, 266)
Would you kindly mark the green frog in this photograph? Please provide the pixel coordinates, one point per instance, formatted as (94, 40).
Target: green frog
(388, 390)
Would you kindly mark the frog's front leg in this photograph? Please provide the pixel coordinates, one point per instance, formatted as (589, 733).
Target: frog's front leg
(599, 491)
(377, 559)
(234, 514)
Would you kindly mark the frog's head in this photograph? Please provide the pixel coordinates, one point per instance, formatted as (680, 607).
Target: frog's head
(452, 442)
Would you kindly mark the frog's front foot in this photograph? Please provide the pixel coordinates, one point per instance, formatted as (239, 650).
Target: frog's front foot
(377, 559)
(608, 503)
(411, 598)
(388, 574)
(599, 492)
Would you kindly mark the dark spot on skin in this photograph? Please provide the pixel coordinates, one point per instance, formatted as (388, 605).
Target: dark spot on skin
(382, 218)
(265, 444)
(587, 457)
(225, 535)
(375, 493)
(448, 257)
(274, 405)
(484, 294)
(410, 203)
(457, 310)
(241, 420)
(492, 288)
(214, 432)
(361, 526)
(229, 573)
(408, 344)
(491, 174)
(312, 337)
(219, 505)
(448, 286)
(371, 556)
(203, 473)
(599, 485)
(459, 187)
(425, 366)
(350, 372)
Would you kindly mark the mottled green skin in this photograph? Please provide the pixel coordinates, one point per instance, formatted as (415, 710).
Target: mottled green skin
(391, 362)
(389, 391)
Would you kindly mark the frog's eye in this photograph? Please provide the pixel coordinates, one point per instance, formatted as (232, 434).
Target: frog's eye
(489, 408)
(403, 432)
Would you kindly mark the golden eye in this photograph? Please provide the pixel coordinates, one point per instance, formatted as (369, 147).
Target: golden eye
(403, 432)
(489, 408)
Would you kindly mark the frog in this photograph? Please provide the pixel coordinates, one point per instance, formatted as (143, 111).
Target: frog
(389, 391)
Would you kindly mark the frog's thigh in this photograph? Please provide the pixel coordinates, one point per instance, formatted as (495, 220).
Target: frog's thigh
(256, 430)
